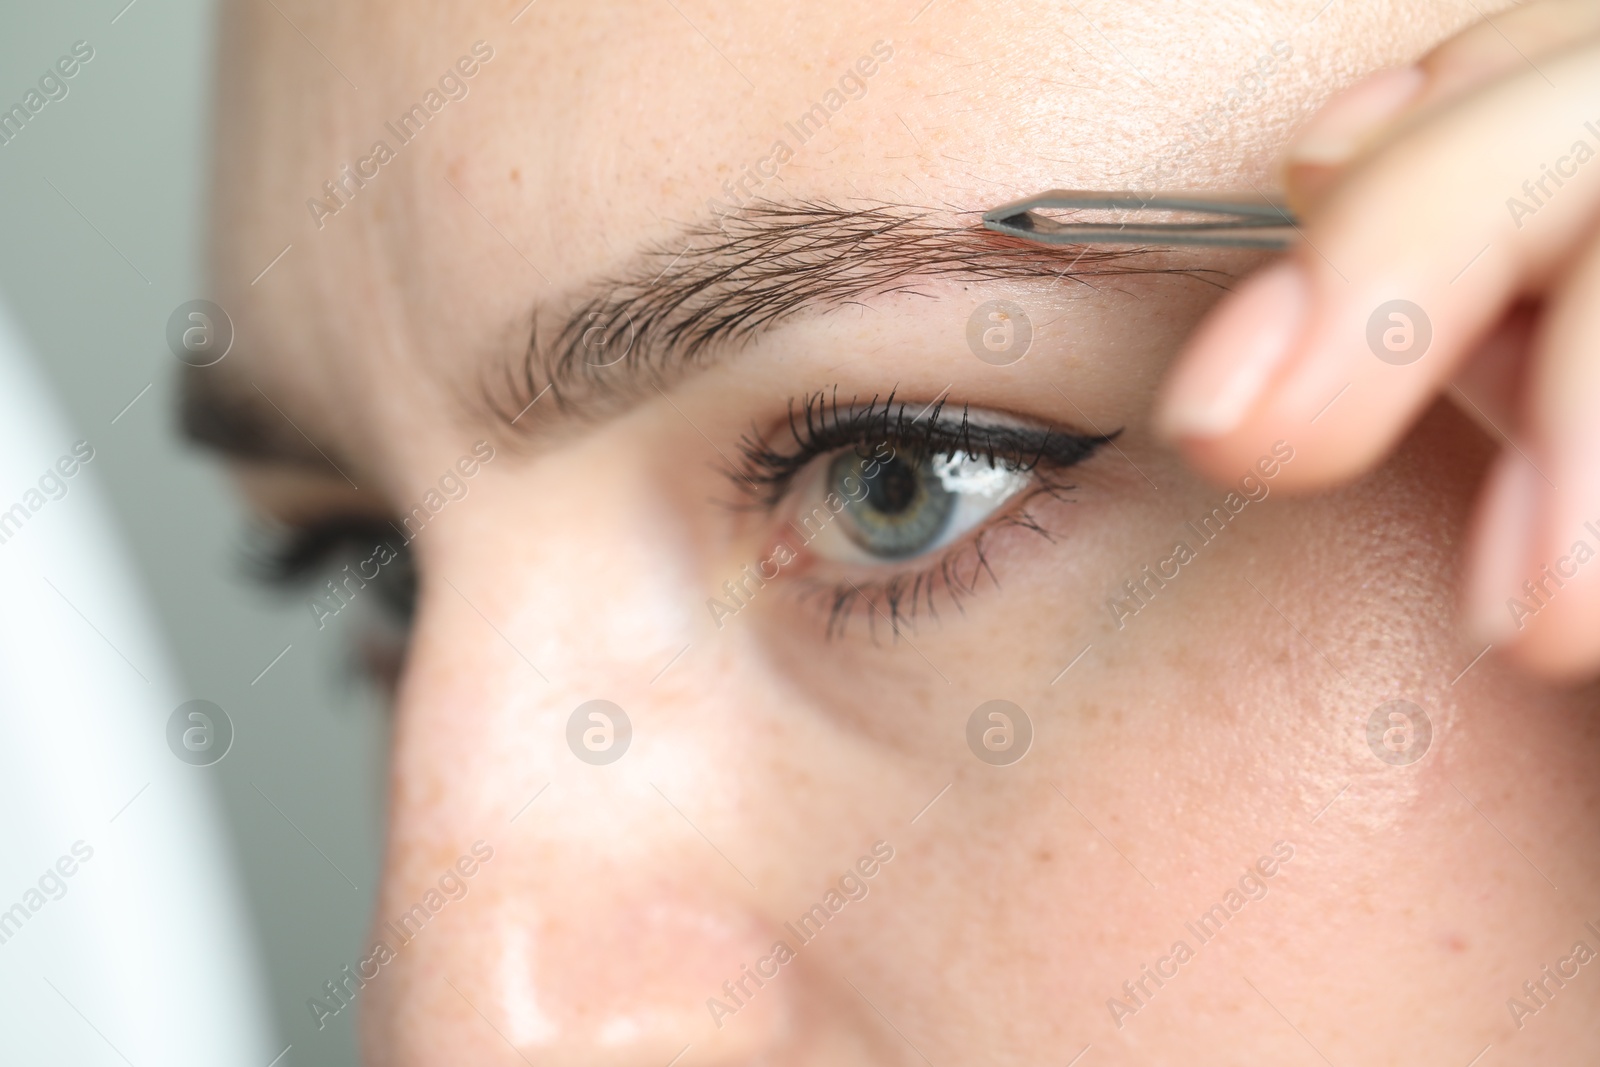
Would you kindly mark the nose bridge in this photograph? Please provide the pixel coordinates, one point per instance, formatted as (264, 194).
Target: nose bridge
(606, 568)
(535, 719)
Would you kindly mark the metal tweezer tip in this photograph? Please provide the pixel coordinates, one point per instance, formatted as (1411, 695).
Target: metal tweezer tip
(1239, 223)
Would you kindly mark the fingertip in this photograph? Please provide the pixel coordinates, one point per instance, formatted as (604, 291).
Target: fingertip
(1229, 362)
(1566, 659)
(1499, 549)
(1557, 600)
(1351, 119)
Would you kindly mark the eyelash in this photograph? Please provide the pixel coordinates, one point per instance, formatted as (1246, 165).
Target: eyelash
(294, 557)
(291, 557)
(820, 424)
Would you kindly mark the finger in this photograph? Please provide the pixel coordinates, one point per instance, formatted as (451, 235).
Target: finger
(1403, 271)
(1501, 43)
(1489, 385)
(1378, 107)
(1535, 571)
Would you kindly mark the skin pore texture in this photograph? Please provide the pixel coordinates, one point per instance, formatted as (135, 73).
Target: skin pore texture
(1221, 725)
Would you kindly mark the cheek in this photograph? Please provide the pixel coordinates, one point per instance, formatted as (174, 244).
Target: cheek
(1178, 750)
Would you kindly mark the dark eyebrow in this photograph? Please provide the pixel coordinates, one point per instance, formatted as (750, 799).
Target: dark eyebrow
(681, 301)
(722, 280)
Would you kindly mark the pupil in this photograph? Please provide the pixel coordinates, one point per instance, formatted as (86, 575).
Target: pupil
(898, 510)
(894, 489)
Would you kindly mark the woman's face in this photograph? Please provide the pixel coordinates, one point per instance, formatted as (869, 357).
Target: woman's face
(662, 339)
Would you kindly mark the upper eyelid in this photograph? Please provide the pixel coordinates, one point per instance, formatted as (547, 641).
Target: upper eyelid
(829, 425)
(823, 421)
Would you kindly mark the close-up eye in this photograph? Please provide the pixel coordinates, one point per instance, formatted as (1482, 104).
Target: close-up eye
(886, 504)
(895, 507)
(890, 504)
(885, 482)
(355, 574)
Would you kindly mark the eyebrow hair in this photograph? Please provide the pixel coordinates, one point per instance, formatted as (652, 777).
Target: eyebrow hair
(718, 283)
(721, 281)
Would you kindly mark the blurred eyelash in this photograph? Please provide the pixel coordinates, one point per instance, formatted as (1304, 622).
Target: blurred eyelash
(898, 600)
(292, 556)
(820, 423)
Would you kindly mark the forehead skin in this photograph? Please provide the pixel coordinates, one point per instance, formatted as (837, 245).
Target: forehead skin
(597, 127)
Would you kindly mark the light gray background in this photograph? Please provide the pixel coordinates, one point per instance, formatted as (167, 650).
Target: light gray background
(91, 270)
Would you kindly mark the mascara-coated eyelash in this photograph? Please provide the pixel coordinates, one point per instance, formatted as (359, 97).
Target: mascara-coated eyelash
(820, 423)
(290, 556)
(296, 556)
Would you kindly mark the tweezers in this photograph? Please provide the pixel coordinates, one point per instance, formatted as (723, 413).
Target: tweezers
(1258, 223)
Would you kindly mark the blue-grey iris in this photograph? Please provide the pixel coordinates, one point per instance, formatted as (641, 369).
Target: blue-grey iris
(897, 510)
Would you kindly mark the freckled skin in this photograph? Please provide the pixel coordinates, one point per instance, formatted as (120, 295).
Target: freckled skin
(1227, 715)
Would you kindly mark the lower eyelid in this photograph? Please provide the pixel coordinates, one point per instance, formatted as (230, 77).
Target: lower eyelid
(954, 574)
(895, 594)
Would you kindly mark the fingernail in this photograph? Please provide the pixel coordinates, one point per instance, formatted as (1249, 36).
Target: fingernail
(1501, 544)
(1342, 126)
(1235, 353)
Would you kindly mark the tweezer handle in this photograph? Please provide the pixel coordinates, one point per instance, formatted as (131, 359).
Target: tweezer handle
(1242, 223)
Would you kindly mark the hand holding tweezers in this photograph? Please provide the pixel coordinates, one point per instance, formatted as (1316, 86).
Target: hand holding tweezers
(1239, 223)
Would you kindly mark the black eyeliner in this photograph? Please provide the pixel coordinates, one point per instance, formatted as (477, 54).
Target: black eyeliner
(820, 423)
